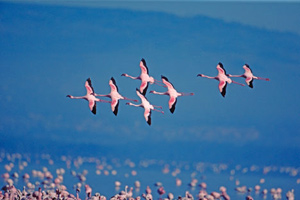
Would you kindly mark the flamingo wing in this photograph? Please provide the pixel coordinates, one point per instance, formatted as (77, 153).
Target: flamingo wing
(167, 82)
(222, 87)
(144, 67)
(172, 104)
(113, 85)
(115, 106)
(144, 87)
(88, 86)
(147, 115)
(92, 106)
(221, 69)
(249, 81)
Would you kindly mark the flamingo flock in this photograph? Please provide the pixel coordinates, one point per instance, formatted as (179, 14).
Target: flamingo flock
(85, 177)
(223, 78)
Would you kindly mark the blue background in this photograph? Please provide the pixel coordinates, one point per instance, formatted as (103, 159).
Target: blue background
(48, 51)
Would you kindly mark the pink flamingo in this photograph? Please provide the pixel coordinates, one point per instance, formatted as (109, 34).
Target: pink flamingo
(90, 97)
(222, 78)
(144, 77)
(161, 191)
(88, 191)
(172, 93)
(148, 190)
(115, 96)
(77, 194)
(146, 105)
(248, 75)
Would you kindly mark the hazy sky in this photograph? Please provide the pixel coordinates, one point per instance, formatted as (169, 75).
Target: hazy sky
(48, 51)
(273, 15)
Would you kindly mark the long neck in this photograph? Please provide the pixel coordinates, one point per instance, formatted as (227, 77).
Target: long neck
(81, 97)
(208, 76)
(186, 94)
(132, 76)
(131, 104)
(160, 93)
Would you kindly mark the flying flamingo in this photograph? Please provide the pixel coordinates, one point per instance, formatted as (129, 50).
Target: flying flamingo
(90, 97)
(172, 93)
(146, 105)
(248, 75)
(115, 96)
(144, 77)
(222, 78)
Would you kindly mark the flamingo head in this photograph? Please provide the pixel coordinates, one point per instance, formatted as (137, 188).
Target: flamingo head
(123, 74)
(69, 96)
(200, 75)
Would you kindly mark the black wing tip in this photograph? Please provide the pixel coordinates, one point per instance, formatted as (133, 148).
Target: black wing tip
(251, 84)
(149, 121)
(163, 77)
(248, 67)
(172, 109)
(89, 81)
(144, 62)
(116, 109)
(145, 90)
(114, 82)
(223, 93)
(115, 112)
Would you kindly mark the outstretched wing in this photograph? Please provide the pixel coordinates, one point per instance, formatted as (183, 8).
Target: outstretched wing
(92, 106)
(167, 82)
(113, 84)
(222, 87)
(88, 86)
(144, 67)
(172, 104)
(147, 115)
(144, 87)
(115, 106)
(249, 81)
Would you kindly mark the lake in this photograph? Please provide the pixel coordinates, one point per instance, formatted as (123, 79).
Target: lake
(101, 173)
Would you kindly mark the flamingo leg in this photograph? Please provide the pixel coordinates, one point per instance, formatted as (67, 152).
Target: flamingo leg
(134, 100)
(238, 83)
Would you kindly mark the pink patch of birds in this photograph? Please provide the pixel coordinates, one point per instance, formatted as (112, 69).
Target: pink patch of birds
(145, 78)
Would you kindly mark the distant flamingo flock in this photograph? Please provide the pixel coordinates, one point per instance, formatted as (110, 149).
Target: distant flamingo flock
(83, 178)
(223, 78)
